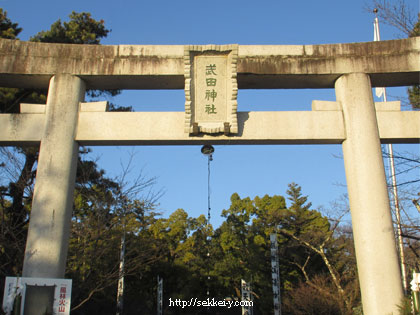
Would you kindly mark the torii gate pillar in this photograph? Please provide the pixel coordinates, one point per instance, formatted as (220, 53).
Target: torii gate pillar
(52, 205)
(377, 261)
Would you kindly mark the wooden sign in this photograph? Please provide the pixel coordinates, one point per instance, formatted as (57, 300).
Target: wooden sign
(211, 89)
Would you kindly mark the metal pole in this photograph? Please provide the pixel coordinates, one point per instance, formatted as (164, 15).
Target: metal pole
(397, 211)
(394, 181)
(398, 217)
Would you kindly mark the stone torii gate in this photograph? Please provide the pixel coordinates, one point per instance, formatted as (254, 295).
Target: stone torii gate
(353, 121)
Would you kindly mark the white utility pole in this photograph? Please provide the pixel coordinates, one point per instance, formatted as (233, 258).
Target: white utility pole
(382, 92)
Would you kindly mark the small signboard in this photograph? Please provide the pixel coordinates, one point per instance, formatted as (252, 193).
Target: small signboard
(415, 289)
(415, 283)
(246, 297)
(15, 288)
(211, 89)
(159, 296)
(275, 274)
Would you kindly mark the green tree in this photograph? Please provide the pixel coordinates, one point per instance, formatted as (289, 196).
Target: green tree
(232, 244)
(184, 265)
(93, 261)
(308, 225)
(8, 29)
(322, 255)
(81, 29)
(313, 250)
(268, 214)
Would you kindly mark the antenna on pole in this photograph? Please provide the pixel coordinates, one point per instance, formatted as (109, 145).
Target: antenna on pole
(376, 36)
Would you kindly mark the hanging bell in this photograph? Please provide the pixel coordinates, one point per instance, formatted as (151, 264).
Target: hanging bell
(208, 151)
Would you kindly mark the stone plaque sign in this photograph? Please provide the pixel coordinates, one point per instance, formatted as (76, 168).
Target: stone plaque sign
(15, 288)
(211, 89)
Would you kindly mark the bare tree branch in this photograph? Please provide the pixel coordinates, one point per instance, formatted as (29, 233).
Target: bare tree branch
(321, 251)
(394, 13)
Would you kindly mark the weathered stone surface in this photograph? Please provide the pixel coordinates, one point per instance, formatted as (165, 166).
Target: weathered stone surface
(331, 105)
(112, 128)
(388, 63)
(52, 205)
(101, 106)
(32, 108)
(374, 239)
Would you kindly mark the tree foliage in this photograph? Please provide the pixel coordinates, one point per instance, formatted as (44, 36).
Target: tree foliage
(81, 29)
(314, 255)
(8, 29)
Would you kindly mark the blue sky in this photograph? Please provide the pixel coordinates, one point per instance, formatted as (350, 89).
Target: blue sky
(248, 170)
